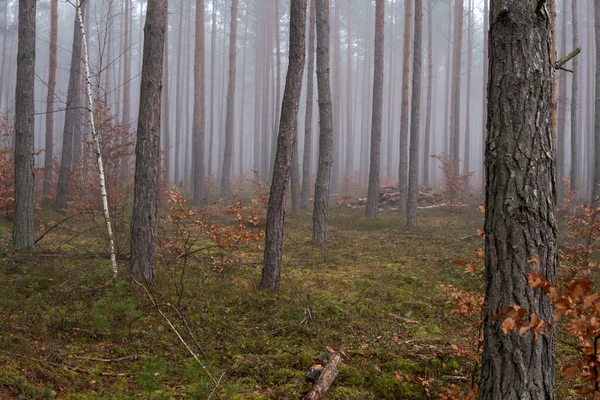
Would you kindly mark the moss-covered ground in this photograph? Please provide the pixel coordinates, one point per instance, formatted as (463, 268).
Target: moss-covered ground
(67, 331)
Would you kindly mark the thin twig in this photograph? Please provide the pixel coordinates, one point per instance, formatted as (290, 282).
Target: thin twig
(560, 63)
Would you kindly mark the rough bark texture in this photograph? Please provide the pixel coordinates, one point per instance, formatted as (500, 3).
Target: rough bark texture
(326, 378)
(230, 118)
(520, 198)
(199, 106)
(72, 115)
(575, 103)
(456, 79)
(415, 119)
(403, 165)
(295, 177)
(23, 228)
(147, 149)
(426, 143)
(323, 183)
(52, 64)
(375, 163)
(308, 132)
(288, 127)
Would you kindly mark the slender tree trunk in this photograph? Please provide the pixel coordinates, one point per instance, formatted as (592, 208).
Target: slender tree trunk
(277, 83)
(308, 133)
(268, 49)
(179, 97)
(323, 183)
(375, 167)
(575, 104)
(596, 189)
(391, 95)
(520, 225)
(337, 100)
(80, 9)
(287, 135)
(187, 110)
(71, 116)
(415, 119)
(199, 106)
(403, 166)
(258, 45)
(242, 101)
(23, 228)
(52, 65)
(428, 117)
(456, 81)
(213, 102)
(125, 117)
(166, 107)
(349, 131)
(467, 142)
(562, 108)
(228, 154)
(486, 28)
(4, 51)
(447, 136)
(147, 149)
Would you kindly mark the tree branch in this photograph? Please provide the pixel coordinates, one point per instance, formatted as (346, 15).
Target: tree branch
(560, 63)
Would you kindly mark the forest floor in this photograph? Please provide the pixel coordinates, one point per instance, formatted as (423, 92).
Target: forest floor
(67, 331)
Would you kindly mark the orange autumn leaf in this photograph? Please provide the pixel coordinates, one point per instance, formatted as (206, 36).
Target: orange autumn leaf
(570, 372)
(508, 325)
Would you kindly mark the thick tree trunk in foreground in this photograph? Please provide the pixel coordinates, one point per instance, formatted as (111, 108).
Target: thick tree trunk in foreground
(403, 165)
(415, 119)
(308, 133)
(199, 106)
(519, 223)
(230, 118)
(72, 115)
(52, 64)
(147, 149)
(288, 127)
(375, 167)
(24, 112)
(323, 183)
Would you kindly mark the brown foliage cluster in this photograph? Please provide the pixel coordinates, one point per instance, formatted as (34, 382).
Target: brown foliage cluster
(454, 183)
(7, 169)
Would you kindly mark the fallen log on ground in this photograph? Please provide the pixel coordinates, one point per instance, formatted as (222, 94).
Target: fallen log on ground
(326, 378)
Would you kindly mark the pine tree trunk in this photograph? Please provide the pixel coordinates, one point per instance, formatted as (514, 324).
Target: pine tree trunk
(415, 118)
(596, 188)
(4, 51)
(71, 117)
(288, 127)
(52, 65)
(213, 102)
(403, 165)
(266, 94)
(147, 149)
(486, 28)
(166, 147)
(467, 142)
(308, 132)
(179, 98)
(427, 142)
(562, 108)
(348, 165)
(243, 97)
(456, 82)
(323, 183)
(520, 225)
(258, 44)
(375, 167)
(125, 116)
(199, 107)
(228, 154)
(575, 104)
(336, 100)
(23, 228)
